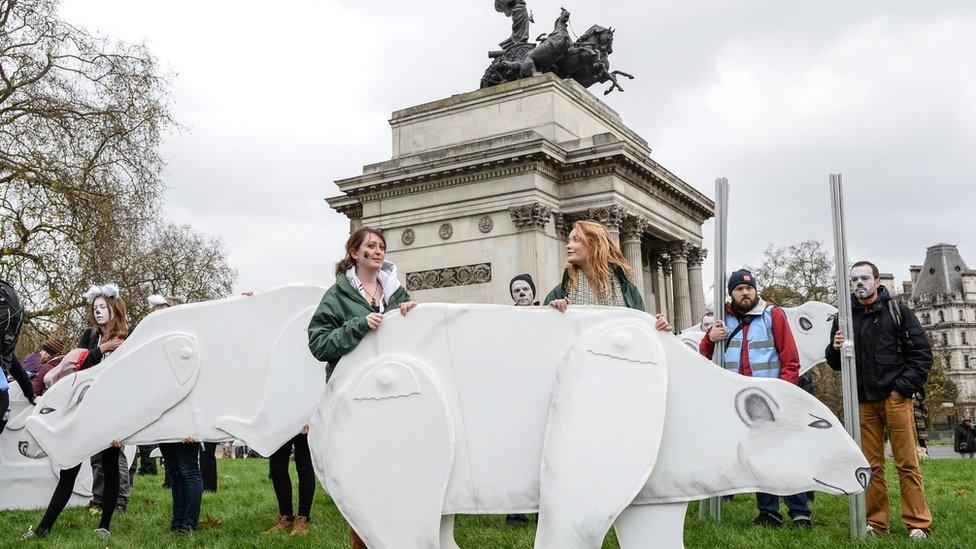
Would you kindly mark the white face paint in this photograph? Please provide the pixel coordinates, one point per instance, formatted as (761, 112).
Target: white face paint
(522, 293)
(863, 283)
(101, 311)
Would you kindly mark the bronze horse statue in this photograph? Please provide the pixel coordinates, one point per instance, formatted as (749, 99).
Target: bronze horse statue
(588, 60)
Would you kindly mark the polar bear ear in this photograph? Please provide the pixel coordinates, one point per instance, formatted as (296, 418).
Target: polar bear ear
(754, 406)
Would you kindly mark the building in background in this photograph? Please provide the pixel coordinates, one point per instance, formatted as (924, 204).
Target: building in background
(942, 292)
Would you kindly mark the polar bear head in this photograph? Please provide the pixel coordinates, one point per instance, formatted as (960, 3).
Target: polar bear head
(795, 444)
(83, 412)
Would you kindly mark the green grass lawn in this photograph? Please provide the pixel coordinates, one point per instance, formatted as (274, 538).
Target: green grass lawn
(245, 507)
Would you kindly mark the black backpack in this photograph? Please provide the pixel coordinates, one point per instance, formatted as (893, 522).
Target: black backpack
(11, 315)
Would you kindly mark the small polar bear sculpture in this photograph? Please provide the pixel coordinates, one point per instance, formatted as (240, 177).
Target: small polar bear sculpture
(598, 423)
(810, 324)
(235, 368)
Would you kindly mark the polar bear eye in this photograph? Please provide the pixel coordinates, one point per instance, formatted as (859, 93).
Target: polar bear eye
(46, 410)
(820, 423)
(806, 324)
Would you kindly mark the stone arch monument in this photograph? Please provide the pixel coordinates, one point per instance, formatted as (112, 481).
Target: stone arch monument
(485, 185)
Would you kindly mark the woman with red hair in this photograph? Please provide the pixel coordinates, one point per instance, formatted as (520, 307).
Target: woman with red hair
(597, 273)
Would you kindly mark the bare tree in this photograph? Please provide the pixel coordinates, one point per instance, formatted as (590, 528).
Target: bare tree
(81, 120)
(797, 273)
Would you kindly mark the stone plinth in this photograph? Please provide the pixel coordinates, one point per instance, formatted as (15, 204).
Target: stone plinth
(485, 185)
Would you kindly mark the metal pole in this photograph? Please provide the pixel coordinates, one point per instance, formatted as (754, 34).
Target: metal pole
(720, 249)
(845, 324)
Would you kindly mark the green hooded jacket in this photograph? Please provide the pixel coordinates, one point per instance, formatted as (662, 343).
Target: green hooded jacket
(632, 295)
(339, 322)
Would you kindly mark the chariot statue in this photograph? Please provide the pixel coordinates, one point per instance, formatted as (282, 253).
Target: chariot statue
(585, 60)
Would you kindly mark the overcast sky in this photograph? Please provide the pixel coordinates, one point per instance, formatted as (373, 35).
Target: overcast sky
(279, 99)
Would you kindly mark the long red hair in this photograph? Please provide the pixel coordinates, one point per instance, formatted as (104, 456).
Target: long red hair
(604, 255)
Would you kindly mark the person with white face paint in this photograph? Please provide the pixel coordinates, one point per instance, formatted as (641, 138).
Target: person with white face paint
(893, 361)
(522, 290)
(107, 329)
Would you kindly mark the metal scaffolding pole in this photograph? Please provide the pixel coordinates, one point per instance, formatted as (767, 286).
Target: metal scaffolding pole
(845, 324)
(720, 249)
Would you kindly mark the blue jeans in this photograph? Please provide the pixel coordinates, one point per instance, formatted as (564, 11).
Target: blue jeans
(798, 504)
(183, 460)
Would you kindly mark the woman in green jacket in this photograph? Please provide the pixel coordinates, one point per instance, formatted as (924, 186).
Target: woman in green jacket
(366, 287)
(597, 273)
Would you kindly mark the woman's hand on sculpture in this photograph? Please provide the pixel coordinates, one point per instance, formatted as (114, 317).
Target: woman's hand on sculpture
(188, 440)
(110, 345)
(661, 323)
(373, 320)
(560, 304)
(116, 443)
(304, 430)
(407, 307)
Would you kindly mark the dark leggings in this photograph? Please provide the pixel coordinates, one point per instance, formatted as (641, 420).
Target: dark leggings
(4, 405)
(66, 484)
(278, 465)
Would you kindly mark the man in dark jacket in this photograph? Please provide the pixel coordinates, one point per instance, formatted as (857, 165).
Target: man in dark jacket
(893, 361)
(965, 442)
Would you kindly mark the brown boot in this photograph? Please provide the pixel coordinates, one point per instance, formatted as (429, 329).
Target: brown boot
(300, 527)
(354, 541)
(283, 524)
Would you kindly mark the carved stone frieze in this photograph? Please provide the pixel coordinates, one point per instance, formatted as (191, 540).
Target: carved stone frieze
(464, 275)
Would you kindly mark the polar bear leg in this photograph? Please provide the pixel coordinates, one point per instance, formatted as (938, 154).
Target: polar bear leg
(447, 533)
(661, 525)
(606, 419)
(387, 454)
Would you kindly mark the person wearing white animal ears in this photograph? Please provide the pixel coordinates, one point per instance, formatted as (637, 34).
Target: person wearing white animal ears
(597, 273)
(365, 289)
(107, 329)
(893, 359)
(760, 344)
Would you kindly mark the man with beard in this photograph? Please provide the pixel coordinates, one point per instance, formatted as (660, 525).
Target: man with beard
(893, 361)
(760, 344)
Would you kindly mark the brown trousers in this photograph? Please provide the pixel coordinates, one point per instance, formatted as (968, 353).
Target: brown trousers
(897, 414)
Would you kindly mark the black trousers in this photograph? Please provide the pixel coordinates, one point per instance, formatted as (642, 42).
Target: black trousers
(62, 493)
(280, 479)
(208, 466)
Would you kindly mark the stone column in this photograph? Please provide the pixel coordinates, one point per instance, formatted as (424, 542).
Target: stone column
(651, 283)
(695, 259)
(632, 231)
(682, 298)
(667, 295)
(610, 217)
(529, 219)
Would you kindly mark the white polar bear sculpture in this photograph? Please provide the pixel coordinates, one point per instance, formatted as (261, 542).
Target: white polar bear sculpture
(810, 324)
(590, 417)
(27, 479)
(217, 370)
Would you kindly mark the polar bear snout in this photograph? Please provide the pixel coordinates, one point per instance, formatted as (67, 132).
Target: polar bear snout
(863, 476)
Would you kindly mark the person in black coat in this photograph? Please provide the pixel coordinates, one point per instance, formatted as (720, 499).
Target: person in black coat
(893, 360)
(965, 442)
